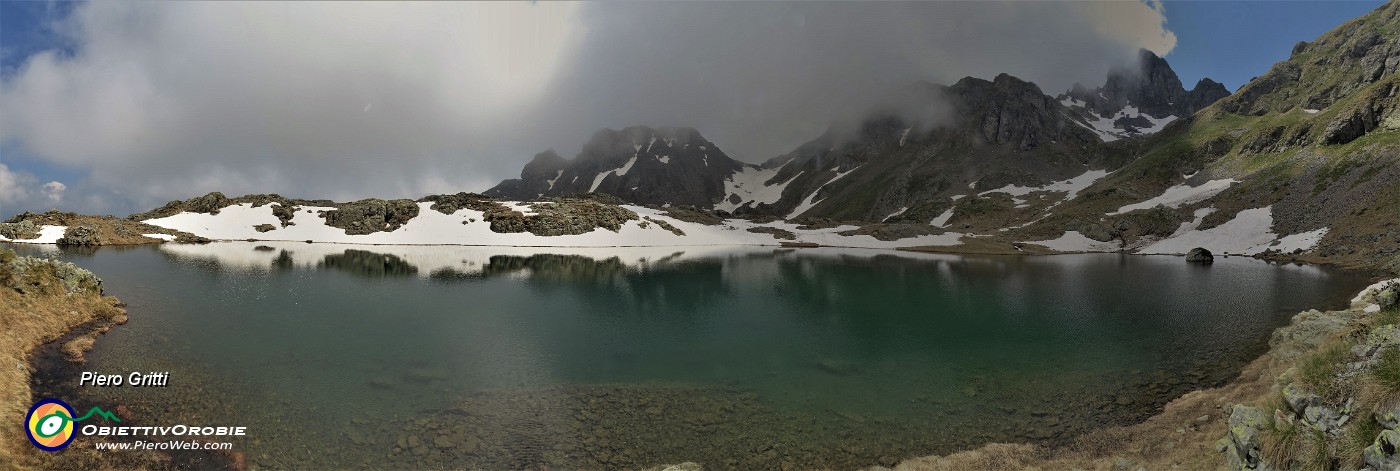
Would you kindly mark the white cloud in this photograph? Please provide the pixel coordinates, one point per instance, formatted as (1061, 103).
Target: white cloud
(21, 191)
(165, 100)
(54, 191)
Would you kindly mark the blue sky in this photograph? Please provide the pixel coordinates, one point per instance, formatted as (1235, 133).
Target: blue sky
(1233, 41)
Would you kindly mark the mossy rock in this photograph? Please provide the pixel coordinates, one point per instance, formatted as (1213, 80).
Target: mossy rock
(21, 230)
(80, 235)
(371, 215)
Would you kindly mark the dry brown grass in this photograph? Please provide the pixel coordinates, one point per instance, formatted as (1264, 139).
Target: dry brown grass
(44, 312)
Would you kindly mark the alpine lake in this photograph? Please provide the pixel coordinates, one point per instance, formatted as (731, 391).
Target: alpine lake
(378, 357)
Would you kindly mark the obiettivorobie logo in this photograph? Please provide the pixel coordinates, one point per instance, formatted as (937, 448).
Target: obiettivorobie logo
(50, 423)
(51, 426)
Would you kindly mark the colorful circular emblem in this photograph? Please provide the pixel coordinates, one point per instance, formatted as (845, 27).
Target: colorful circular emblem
(49, 424)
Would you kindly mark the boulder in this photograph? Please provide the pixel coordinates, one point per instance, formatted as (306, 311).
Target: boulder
(1389, 417)
(1200, 255)
(1241, 444)
(80, 235)
(264, 227)
(1382, 453)
(1387, 298)
(1314, 409)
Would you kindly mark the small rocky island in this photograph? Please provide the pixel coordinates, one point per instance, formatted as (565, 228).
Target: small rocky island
(1200, 255)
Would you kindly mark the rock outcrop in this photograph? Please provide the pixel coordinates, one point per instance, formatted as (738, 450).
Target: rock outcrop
(565, 216)
(80, 235)
(21, 230)
(371, 215)
(1200, 255)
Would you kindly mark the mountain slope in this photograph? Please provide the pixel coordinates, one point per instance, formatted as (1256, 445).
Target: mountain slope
(907, 163)
(1140, 99)
(637, 164)
(1307, 150)
(995, 133)
(1003, 134)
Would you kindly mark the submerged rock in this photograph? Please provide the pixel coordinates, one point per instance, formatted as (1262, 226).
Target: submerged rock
(1199, 255)
(838, 367)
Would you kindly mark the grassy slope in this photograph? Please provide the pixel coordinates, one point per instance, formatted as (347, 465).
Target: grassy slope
(1276, 149)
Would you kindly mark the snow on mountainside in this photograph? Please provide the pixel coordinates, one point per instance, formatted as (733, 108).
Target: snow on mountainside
(1138, 100)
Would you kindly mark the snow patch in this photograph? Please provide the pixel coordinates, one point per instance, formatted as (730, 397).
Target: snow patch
(1304, 241)
(812, 200)
(1248, 233)
(620, 171)
(598, 180)
(47, 235)
(1179, 195)
(165, 237)
(942, 219)
(1072, 186)
(903, 136)
(1108, 131)
(627, 166)
(1073, 241)
(555, 179)
(896, 213)
(748, 184)
(431, 227)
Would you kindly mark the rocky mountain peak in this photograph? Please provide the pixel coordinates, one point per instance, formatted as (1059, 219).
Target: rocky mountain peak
(1139, 98)
(544, 164)
(639, 164)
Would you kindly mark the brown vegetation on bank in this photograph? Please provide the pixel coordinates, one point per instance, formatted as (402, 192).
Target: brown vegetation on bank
(41, 301)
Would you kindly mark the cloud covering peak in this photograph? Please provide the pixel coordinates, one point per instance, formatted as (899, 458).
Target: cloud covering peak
(165, 100)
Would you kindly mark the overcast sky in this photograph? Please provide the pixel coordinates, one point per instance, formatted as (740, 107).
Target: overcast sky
(116, 107)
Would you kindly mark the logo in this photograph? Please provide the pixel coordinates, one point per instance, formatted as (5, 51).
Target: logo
(49, 423)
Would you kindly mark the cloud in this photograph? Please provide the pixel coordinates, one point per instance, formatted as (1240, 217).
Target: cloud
(19, 189)
(164, 100)
(54, 191)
